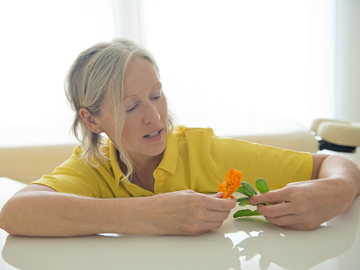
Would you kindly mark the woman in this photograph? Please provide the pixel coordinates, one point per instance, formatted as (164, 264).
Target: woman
(114, 88)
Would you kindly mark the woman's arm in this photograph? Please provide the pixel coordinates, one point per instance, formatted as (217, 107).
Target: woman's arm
(38, 210)
(306, 205)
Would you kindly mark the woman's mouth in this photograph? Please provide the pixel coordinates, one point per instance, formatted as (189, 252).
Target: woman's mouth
(153, 134)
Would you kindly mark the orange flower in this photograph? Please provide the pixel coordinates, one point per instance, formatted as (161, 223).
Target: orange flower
(231, 183)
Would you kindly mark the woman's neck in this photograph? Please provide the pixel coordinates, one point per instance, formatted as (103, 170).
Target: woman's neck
(144, 167)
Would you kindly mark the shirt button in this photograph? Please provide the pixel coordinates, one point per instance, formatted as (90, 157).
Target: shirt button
(160, 172)
(160, 182)
(159, 192)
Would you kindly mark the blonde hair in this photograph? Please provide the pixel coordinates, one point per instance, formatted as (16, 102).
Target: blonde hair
(97, 72)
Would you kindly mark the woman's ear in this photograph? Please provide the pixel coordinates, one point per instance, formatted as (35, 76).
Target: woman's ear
(90, 121)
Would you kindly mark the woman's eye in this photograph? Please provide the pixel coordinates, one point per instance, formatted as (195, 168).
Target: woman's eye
(157, 97)
(132, 108)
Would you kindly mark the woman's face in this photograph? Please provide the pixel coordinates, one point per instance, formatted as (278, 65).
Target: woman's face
(145, 128)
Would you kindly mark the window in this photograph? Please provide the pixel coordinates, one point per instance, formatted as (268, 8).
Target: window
(40, 41)
(220, 60)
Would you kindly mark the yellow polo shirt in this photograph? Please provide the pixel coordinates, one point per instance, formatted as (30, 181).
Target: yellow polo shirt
(194, 158)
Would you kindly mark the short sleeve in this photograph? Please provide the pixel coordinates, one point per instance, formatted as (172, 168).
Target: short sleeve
(277, 166)
(74, 176)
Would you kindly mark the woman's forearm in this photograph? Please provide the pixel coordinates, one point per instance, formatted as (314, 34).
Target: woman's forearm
(42, 213)
(342, 168)
(46, 213)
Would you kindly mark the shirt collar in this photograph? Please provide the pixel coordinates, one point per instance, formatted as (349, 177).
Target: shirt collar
(168, 162)
(171, 154)
(118, 174)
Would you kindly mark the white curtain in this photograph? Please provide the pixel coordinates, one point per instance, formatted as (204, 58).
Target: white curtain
(347, 60)
(222, 59)
(40, 39)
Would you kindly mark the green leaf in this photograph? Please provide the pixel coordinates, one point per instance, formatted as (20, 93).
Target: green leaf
(248, 187)
(243, 201)
(246, 213)
(244, 191)
(261, 185)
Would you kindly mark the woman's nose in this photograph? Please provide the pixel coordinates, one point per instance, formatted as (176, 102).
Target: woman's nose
(151, 114)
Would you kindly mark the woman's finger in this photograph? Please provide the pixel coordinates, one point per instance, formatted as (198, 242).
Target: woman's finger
(217, 216)
(216, 204)
(275, 196)
(276, 210)
(285, 221)
(218, 195)
(293, 222)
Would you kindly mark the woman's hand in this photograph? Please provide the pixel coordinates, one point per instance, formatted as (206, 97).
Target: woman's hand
(188, 213)
(306, 205)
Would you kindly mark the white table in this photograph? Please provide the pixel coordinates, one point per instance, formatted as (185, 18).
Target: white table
(247, 243)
